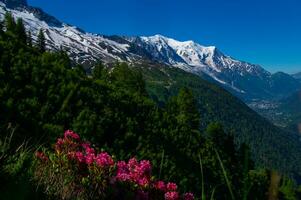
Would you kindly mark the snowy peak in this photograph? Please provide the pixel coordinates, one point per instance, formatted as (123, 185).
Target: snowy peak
(190, 52)
(187, 53)
(84, 48)
(197, 58)
(196, 55)
(244, 79)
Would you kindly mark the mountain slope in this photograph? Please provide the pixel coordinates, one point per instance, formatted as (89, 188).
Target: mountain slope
(84, 48)
(270, 145)
(297, 76)
(291, 107)
(245, 80)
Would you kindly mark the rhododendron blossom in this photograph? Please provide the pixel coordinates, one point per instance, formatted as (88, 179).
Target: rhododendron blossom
(71, 134)
(86, 145)
(90, 159)
(82, 159)
(171, 186)
(171, 196)
(188, 196)
(41, 156)
(134, 171)
(71, 155)
(104, 160)
(160, 185)
(59, 144)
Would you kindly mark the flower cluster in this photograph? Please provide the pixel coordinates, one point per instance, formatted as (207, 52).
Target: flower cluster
(82, 152)
(134, 171)
(71, 134)
(82, 159)
(41, 156)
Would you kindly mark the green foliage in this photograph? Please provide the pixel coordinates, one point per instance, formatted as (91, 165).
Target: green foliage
(20, 31)
(29, 39)
(287, 189)
(1, 28)
(124, 77)
(271, 147)
(41, 42)
(15, 169)
(10, 23)
(260, 180)
(43, 93)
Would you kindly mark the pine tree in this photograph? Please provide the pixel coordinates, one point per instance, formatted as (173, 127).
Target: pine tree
(187, 109)
(20, 31)
(98, 71)
(29, 39)
(1, 28)
(10, 23)
(41, 42)
(132, 80)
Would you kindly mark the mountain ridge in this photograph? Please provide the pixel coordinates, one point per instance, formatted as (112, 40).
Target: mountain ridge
(297, 76)
(245, 80)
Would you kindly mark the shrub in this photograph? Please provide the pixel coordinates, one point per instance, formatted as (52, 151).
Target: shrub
(74, 170)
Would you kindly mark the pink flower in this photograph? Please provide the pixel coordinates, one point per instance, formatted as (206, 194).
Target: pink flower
(171, 187)
(90, 159)
(144, 181)
(90, 150)
(59, 144)
(122, 171)
(71, 134)
(123, 177)
(80, 157)
(160, 185)
(85, 145)
(171, 196)
(71, 155)
(188, 196)
(122, 167)
(104, 160)
(132, 163)
(134, 171)
(41, 156)
(145, 166)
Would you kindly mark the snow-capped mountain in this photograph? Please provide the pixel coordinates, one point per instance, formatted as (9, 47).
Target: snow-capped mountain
(246, 80)
(83, 47)
(195, 58)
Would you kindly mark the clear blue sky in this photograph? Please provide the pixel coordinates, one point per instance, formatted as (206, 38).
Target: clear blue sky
(265, 32)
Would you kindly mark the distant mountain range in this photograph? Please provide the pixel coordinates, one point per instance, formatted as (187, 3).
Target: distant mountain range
(297, 76)
(245, 80)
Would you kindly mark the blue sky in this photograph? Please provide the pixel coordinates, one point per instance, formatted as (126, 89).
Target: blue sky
(265, 32)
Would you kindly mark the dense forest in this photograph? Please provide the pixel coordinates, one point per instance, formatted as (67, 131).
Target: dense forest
(43, 93)
(271, 146)
(292, 107)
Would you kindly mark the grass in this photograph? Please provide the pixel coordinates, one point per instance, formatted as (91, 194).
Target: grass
(225, 175)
